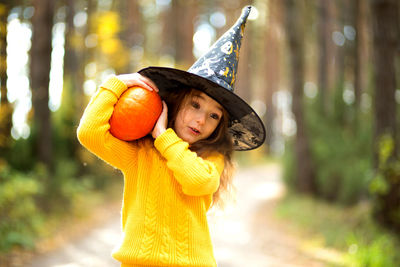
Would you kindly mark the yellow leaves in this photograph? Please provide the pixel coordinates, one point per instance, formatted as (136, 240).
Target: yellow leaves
(386, 148)
(75, 41)
(110, 46)
(109, 43)
(5, 112)
(3, 9)
(3, 63)
(3, 28)
(108, 27)
(108, 24)
(5, 117)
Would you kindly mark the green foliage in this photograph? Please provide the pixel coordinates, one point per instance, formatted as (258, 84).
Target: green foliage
(350, 230)
(386, 149)
(20, 216)
(32, 195)
(379, 252)
(385, 186)
(341, 153)
(289, 166)
(22, 154)
(28, 199)
(379, 185)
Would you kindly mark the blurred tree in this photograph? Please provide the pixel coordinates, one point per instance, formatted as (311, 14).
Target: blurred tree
(386, 40)
(183, 13)
(131, 31)
(244, 77)
(72, 97)
(167, 48)
(360, 22)
(272, 62)
(6, 108)
(89, 50)
(342, 54)
(42, 24)
(114, 54)
(295, 34)
(244, 80)
(385, 14)
(324, 37)
(90, 33)
(71, 61)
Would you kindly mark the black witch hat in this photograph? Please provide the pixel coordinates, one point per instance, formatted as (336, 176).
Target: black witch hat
(215, 74)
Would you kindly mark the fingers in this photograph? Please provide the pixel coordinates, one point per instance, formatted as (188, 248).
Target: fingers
(165, 107)
(162, 122)
(135, 79)
(163, 119)
(149, 83)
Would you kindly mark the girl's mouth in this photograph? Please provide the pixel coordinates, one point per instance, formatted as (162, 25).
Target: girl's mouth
(194, 131)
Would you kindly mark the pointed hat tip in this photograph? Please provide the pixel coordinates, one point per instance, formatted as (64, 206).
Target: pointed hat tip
(245, 13)
(248, 7)
(246, 10)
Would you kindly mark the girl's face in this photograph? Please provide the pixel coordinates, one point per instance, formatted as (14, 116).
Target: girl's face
(198, 117)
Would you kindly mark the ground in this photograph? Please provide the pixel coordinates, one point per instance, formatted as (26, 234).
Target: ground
(247, 233)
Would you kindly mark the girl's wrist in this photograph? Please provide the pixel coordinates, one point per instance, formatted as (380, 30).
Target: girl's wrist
(157, 132)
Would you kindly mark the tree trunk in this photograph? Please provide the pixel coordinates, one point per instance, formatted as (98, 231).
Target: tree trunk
(88, 54)
(340, 64)
(131, 32)
(295, 33)
(166, 32)
(72, 100)
(362, 55)
(71, 61)
(385, 35)
(42, 23)
(324, 37)
(6, 109)
(243, 84)
(183, 14)
(358, 64)
(272, 65)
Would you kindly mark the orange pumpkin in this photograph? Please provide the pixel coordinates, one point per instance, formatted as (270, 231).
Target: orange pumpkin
(135, 114)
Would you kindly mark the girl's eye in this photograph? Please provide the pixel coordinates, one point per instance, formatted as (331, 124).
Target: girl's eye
(215, 116)
(195, 105)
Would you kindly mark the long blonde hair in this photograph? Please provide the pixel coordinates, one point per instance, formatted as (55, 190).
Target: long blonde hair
(219, 141)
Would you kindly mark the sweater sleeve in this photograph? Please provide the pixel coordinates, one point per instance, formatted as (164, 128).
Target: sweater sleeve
(197, 176)
(93, 131)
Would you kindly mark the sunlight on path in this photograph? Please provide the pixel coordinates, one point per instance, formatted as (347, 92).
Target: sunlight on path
(94, 249)
(244, 234)
(231, 229)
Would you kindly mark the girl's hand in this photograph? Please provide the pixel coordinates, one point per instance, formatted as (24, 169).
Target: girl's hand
(161, 124)
(135, 79)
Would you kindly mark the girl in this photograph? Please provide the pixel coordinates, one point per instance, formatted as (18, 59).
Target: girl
(173, 176)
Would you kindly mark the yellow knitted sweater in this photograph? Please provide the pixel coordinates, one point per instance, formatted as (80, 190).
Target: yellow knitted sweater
(167, 189)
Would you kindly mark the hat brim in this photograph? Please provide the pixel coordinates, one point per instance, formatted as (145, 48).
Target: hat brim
(245, 127)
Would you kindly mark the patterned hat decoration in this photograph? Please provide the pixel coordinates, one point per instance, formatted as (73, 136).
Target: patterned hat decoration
(220, 63)
(215, 74)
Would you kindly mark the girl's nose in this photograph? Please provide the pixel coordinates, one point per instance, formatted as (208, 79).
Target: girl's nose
(201, 118)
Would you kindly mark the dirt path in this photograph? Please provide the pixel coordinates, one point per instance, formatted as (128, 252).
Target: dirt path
(245, 234)
(248, 234)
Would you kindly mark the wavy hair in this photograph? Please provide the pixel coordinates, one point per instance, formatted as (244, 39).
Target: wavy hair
(219, 141)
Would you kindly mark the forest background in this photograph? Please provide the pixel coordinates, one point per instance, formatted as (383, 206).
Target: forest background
(323, 75)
